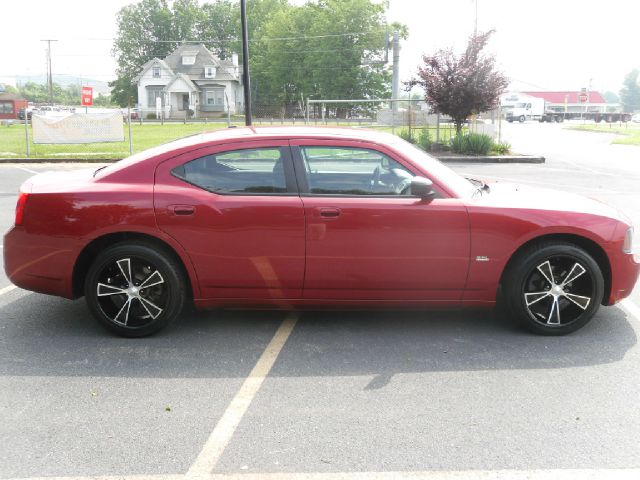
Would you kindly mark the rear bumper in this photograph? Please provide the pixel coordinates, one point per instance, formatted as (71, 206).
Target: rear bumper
(39, 263)
(625, 269)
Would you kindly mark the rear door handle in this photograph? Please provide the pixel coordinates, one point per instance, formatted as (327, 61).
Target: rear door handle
(182, 209)
(330, 212)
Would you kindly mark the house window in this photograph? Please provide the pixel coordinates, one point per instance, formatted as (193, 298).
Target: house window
(209, 72)
(188, 59)
(156, 72)
(152, 94)
(6, 107)
(214, 97)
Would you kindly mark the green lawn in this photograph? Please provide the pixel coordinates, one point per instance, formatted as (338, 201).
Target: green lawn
(630, 132)
(13, 145)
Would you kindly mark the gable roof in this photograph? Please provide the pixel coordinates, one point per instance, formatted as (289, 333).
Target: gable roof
(185, 79)
(572, 97)
(203, 58)
(151, 63)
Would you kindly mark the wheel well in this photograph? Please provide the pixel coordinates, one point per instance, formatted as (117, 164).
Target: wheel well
(89, 253)
(589, 246)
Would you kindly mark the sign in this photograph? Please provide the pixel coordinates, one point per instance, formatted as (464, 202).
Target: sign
(87, 96)
(583, 97)
(158, 107)
(78, 128)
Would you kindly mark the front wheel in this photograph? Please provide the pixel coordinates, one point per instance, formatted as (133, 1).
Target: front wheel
(521, 119)
(553, 288)
(134, 289)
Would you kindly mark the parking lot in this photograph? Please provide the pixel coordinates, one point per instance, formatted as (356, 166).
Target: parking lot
(323, 395)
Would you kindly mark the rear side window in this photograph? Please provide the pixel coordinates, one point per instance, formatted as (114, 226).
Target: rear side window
(252, 171)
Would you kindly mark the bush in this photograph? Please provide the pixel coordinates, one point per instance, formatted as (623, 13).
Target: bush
(502, 148)
(151, 116)
(472, 144)
(424, 140)
(407, 135)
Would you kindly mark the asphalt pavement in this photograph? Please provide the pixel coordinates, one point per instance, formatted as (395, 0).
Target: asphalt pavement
(372, 394)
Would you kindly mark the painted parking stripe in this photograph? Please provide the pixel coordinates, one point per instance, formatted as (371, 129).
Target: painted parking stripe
(631, 308)
(556, 474)
(226, 427)
(7, 289)
(25, 169)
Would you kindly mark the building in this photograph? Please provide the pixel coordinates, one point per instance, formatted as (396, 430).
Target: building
(10, 105)
(563, 101)
(190, 81)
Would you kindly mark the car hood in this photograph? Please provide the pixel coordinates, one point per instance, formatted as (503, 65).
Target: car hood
(516, 196)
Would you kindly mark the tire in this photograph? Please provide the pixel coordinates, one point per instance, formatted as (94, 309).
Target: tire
(544, 307)
(521, 119)
(121, 305)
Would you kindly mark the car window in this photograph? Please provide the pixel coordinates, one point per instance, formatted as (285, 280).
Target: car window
(354, 171)
(258, 170)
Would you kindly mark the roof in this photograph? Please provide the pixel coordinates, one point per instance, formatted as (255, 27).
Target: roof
(572, 97)
(11, 96)
(185, 79)
(149, 64)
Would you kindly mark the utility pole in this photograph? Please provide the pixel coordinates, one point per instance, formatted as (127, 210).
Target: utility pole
(395, 84)
(245, 63)
(49, 72)
(475, 28)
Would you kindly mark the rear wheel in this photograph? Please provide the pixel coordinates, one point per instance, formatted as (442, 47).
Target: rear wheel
(135, 290)
(521, 119)
(553, 288)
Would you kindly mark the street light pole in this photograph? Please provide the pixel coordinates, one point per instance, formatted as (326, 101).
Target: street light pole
(245, 63)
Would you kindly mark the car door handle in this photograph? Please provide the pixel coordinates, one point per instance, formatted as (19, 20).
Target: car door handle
(182, 209)
(329, 212)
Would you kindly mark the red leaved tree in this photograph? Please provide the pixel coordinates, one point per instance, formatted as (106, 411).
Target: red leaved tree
(460, 86)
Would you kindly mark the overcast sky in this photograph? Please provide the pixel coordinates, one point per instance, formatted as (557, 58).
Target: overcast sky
(539, 44)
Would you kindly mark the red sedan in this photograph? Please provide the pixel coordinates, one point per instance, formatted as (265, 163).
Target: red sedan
(297, 217)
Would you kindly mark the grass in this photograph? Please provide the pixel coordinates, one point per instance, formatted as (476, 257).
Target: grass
(630, 133)
(147, 135)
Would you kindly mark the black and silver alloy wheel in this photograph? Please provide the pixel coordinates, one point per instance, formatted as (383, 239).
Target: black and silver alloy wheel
(553, 288)
(134, 289)
(558, 291)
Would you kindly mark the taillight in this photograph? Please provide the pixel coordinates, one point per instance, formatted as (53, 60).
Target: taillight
(22, 202)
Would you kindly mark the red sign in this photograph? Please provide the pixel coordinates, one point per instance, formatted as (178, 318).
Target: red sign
(583, 97)
(87, 96)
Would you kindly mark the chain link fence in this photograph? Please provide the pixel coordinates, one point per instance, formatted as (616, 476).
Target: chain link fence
(410, 119)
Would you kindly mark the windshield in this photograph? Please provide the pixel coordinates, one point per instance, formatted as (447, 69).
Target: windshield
(440, 172)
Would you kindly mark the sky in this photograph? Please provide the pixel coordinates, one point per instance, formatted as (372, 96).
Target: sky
(539, 44)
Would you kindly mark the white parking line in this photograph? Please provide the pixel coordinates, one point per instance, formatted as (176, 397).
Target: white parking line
(7, 289)
(25, 169)
(631, 308)
(226, 427)
(556, 474)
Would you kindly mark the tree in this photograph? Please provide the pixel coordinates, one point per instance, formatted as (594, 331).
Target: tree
(630, 92)
(611, 97)
(460, 86)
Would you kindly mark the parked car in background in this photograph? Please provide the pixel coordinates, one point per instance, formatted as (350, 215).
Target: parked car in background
(636, 118)
(300, 217)
(25, 112)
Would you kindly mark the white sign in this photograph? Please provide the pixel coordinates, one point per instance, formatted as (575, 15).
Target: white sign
(158, 107)
(78, 128)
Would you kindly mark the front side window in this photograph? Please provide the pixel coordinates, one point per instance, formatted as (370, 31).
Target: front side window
(152, 94)
(6, 107)
(156, 72)
(252, 171)
(188, 59)
(214, 97)
(354, 171)
(209, 72)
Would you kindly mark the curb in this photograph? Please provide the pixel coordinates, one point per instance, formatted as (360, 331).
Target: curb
(487, 159)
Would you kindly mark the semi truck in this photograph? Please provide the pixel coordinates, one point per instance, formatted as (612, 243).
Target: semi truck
(536, 109)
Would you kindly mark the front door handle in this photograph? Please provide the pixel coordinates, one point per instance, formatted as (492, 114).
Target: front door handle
(330, 212)
(182, 209)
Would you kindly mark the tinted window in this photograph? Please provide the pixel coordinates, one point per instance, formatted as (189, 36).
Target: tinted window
(258, 170)
(354, 171)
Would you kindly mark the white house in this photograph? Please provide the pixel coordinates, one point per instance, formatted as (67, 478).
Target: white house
(190, 78)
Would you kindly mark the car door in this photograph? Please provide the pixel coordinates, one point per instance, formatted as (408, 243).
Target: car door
(236, 211)
(367, 238)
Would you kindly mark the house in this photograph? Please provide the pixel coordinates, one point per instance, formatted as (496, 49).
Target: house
(190, 78)
(10, 105)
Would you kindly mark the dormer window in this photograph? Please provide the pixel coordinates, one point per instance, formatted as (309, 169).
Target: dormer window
(189, 58)
(209, 71)
(156, 72)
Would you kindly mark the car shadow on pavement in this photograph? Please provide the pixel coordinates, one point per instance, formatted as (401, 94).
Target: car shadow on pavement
(49, 336)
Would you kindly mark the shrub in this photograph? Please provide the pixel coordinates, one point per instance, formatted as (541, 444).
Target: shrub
(502, 148)
(151, 116)
(424, 139)
(472, 144)
(407, 135)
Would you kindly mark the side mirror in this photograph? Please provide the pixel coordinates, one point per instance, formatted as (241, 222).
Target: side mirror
(423, 188)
